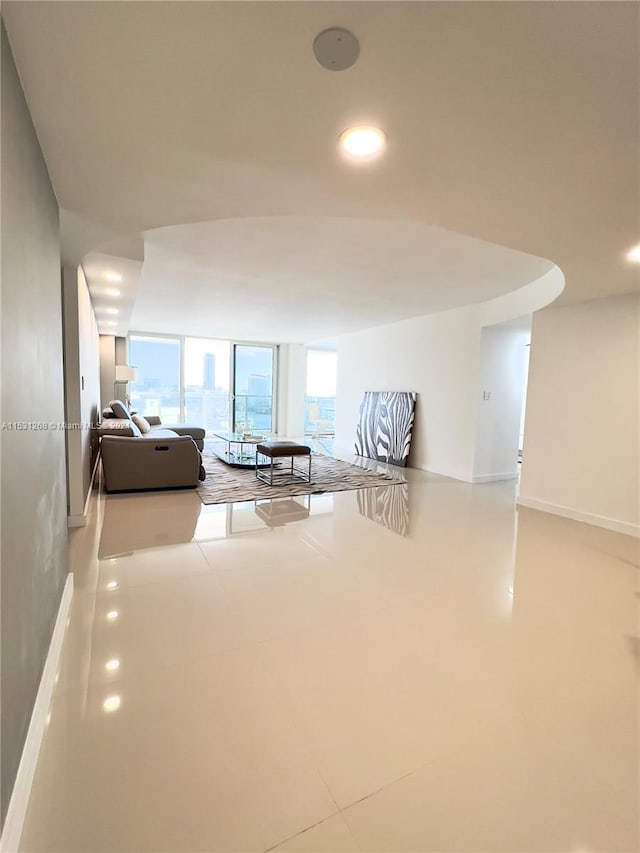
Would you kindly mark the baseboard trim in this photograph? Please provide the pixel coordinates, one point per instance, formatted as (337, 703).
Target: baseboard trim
(81, 520)
(452, 475)
(12, 832)
(586, 517)
(492, 478)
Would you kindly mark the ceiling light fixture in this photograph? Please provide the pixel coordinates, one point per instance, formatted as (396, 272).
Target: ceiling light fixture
(633, 255)
(112, 665)
(113, 276)
(112, 703)
(111, 291)
(111, 310)
(362, 142)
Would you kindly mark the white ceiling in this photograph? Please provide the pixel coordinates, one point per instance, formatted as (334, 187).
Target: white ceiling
(513, 123)
(299, 279)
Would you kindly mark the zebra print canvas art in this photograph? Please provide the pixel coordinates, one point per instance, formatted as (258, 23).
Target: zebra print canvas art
(386, 424)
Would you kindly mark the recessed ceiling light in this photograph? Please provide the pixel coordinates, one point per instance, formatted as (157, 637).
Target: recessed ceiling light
(111, 310)
(112, 615)
(112, 585)
(113, 276)
(112, 703)
(112, 665)
(634, 254)
(111, 291)
(362, 141)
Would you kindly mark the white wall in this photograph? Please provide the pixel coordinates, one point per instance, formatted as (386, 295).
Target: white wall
(581, 430)
(437, 356)
(501, 376)
(292, 366)
(82, 389)
(107, 369)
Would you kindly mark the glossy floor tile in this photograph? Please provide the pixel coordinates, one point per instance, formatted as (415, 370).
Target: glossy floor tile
(410, 668)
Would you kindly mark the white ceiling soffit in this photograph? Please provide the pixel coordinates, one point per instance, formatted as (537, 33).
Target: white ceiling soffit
(516, 123)
(78, 236)
(300, 279)
(112, 297)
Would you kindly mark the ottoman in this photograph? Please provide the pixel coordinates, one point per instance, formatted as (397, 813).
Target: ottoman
(282, 450)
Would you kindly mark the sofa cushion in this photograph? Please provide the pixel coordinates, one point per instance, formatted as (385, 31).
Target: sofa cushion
(155, 434)
(185, 429)
(141, 422)
(118, 426)
(119, 409)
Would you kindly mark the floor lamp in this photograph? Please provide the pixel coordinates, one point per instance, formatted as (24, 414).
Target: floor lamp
(124, 374)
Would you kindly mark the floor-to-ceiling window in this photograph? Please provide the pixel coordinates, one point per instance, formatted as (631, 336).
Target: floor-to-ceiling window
(207, 377)
(156, 390)
(221, 385)
(253, 388)
(320, 396)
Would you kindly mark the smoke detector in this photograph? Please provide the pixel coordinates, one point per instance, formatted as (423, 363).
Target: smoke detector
(336, 49)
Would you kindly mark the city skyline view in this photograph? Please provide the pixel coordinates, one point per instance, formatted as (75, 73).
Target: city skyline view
(207, 393)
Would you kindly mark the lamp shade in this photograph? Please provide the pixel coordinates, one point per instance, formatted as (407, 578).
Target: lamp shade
(124, 373)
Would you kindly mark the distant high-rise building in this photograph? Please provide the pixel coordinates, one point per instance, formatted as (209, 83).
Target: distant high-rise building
(209, 383)
(259, 386)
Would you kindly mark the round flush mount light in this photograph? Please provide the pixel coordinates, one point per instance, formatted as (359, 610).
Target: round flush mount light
(113, 276)
(633, 255)
(362, 142)
(111, 703)
(336, 49)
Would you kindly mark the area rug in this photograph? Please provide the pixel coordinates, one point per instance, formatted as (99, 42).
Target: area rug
(224, 484)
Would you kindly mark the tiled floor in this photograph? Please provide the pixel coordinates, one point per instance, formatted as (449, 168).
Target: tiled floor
(411, 669)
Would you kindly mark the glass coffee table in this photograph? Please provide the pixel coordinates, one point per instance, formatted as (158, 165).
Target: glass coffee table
(239, 449)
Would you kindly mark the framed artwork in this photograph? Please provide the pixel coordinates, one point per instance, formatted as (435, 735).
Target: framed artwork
(386, 425)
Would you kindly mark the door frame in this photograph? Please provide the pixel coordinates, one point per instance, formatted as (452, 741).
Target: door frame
(275, 372)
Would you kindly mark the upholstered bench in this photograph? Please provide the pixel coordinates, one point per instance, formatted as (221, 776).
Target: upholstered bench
(276, 450)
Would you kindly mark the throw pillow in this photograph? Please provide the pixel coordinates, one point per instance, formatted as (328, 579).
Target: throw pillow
(142, 423)
(119, 409)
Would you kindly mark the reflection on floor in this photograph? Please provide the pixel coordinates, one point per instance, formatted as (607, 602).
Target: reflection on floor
(387, 506)
(419, 671)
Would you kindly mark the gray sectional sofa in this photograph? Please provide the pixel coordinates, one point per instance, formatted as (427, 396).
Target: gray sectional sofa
(156, 456)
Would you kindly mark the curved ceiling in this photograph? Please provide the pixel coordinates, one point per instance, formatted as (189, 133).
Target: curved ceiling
(513, 123)
(300, 279)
